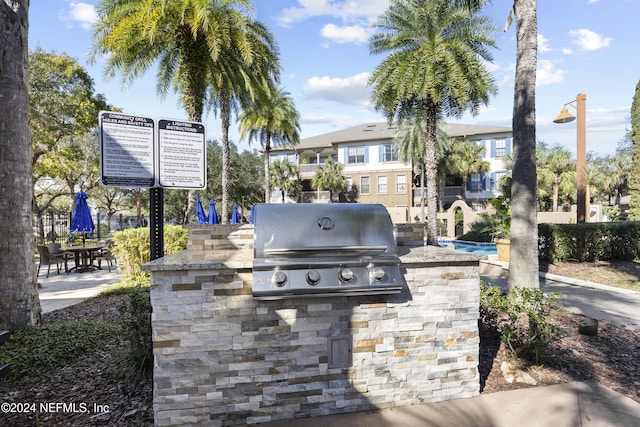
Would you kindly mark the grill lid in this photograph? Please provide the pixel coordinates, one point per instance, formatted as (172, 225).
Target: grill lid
(324, 250)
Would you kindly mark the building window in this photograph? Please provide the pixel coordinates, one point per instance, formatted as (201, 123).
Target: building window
(401, 183)
(349, 184)
(355, 155)
(501, 147)
(388, 153)
(476, 182)
(382, 184)
(364, 185)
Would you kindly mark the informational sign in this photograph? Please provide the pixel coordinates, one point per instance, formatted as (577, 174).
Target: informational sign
(142, 152)
(183, 155)
(127, 150)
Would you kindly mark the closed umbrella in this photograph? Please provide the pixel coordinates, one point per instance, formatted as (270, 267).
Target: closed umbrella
(252, 215)
(213, 215)
(202, 217)
(81, 220)
(235, 216)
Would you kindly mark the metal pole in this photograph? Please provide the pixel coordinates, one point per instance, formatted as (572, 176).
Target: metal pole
(581, 157)
(156, 222)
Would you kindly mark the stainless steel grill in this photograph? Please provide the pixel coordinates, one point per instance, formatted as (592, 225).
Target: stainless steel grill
(303, 250)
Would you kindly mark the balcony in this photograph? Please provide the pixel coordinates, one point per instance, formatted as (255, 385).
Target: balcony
(305, 197)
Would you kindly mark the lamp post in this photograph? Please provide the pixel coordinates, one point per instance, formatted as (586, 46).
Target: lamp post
(581, 150)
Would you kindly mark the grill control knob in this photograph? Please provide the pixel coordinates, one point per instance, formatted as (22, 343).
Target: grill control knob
(279, 278)
(345, 275)
(313, 277)
(377, 273)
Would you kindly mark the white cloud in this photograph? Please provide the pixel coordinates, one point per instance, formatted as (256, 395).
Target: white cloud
(543, 44)
(345, 34)
(82, 14)
(588, 40)
(547, 73)
(347, 11)
(350, 90)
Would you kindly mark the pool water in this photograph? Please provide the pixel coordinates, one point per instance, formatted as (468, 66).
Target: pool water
(479, 248)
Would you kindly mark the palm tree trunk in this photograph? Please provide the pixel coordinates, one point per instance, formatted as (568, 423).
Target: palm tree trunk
(225, 117)
(431, 171)
(19, 301)
(267, 171)
(556, 186)
(524, 221)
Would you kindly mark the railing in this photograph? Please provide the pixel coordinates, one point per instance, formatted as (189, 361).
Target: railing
(305, 197)
(450, 193)
(307, 168)
(54, 227)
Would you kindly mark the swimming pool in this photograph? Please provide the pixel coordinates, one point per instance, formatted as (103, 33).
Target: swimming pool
(480, 248)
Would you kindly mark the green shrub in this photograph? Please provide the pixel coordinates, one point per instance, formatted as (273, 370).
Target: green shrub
(137, 363)
(34, 352)
(521, 318)
(133, 245)
(129, 284)
(606, 241)
(480, 231)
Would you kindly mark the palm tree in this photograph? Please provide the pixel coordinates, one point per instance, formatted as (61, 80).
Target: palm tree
(285, 177)
(272, 119)
(329, 177)
(465, 158)
(19, 303)
(410, 143)
(434, 68)
(194, 42)
(557, 162)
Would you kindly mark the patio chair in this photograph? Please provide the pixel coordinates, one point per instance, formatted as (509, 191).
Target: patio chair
(105, 254)
(46, 258)
(56, 249)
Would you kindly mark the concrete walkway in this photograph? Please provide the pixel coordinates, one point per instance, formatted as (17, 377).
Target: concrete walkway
(613, 305)
(63, 290)
(562, 405)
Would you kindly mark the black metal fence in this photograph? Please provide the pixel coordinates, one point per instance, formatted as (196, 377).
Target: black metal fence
(55, 227)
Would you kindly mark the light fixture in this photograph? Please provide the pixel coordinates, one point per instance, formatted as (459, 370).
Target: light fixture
(565, 116)
(581, 151)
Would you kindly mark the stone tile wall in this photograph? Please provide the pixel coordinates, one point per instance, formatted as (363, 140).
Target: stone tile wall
(223, 358)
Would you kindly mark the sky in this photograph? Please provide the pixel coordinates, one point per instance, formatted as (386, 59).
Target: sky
(584, 46)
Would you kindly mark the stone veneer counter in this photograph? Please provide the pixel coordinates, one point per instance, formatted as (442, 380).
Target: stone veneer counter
(242, 258)
(223, 358)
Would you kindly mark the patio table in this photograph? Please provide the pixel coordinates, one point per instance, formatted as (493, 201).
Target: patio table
(83, 257)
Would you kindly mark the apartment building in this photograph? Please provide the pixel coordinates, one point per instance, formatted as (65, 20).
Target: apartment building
(375, 175)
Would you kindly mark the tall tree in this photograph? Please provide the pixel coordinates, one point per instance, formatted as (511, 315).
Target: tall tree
(634, 179)
(329, 177)
(19, 302)
(196, 44)
(273, 120)
(285, 177)
(434, 69)
(524, 220)
(62, 112)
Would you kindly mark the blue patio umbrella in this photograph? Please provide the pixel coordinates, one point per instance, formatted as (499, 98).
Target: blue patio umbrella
(235, 216)
(81, 220)
(252, 215)
(202, 217)
(213, 215)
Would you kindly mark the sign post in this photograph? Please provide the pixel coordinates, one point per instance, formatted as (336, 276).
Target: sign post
(141, 152)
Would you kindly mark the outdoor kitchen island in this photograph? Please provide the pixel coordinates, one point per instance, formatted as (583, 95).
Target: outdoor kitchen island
(223, 357)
